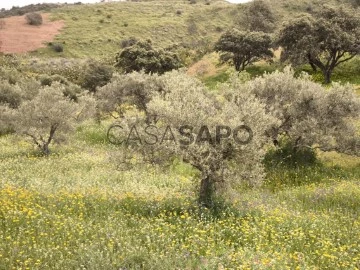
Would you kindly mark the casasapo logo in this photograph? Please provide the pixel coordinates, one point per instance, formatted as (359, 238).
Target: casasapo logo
(184, 135)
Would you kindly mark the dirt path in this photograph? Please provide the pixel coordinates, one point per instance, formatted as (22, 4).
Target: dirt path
(19, 37)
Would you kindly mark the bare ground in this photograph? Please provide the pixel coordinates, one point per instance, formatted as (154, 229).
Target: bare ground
(16, 36)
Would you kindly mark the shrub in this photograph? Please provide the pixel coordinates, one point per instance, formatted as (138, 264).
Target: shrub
(95, 75)
(15, 87)
(178, 12)
(128, 42)
(71, 90)
(10, 95)
(57, 47)
(142, 56)
(34, 18)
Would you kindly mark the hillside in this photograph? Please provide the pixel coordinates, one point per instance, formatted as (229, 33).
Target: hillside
(97, 30)
(95, 175)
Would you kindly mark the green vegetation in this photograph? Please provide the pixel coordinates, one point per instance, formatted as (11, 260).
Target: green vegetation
(287, 199)
(325, 39)
(86, 213)
(244, 48)
(143, 56)
(144, 20)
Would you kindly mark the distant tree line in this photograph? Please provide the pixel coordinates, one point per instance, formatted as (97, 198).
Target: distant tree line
(324, 38)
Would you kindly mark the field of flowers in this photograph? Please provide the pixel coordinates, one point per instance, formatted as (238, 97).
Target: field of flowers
(77, 210)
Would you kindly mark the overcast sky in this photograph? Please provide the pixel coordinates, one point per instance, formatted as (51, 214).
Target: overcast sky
(9, 3)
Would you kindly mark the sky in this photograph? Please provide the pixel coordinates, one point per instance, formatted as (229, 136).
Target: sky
(9, 3)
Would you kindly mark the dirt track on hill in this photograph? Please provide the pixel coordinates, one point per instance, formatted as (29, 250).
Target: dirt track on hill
(19, 37)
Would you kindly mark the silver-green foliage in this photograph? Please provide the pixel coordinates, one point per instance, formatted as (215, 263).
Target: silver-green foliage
(49, 116)
(309, 114)
(185, 101)
(135, 88)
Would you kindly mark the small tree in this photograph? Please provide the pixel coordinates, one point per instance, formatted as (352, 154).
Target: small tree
(244, 48)
(325, 39)
(34, 18)
(49, 116)
(136, 88)
(95, 75)
(142, 56)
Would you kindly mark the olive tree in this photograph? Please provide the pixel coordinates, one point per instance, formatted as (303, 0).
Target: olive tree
(244, 48)
(309, 114)
(135, 88)
(324, 40)
(5, 125)
(199, 128)
(10, 95)
(49, 116)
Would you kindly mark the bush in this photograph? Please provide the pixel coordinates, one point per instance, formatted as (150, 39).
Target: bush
(128, 42)
(70, 90)
(95, 75)
(34, 18)
(57, 47)
(143, 56)
(10, 95)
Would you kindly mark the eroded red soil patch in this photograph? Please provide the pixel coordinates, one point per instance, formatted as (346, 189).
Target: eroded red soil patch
(18, 37)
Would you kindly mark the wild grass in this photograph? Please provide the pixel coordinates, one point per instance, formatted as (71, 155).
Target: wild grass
(76, 210)
(97, 30)
(346, 72)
